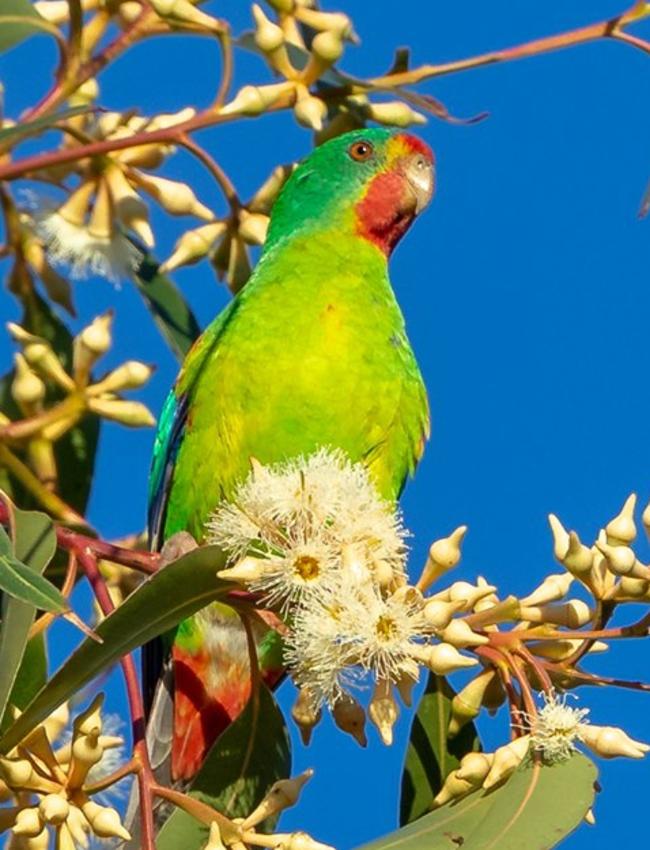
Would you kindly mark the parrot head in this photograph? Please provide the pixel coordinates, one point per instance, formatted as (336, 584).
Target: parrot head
(369, 183)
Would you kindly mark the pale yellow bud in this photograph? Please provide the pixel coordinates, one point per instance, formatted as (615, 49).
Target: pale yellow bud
(214, 839)
(253, 227)
(350, 717)
(327, 46)
(460, 634)
(101, 225)
(129, 206)
(632, 588)
(335, 21)
(579, 558)
(622, 561)
(590, 818)
(104, 822)
(175, 197)
(444, 554)
(560, 538)
(466, 593)
(622, 529)
(28, 822)
(129, 376)
(283, 794)
(310, 111)
(610, 741)
(64, 839)
(573, 614)
(252, 100)
(453, 788)
(85, 94)
(78, 826)
(194, 245)
(183, 12)
(40, 356)
(557, 650)
(553, 587)
(383, 711)
(54, 809)
(305, 715)
(75, 209)
(170, 119)
(645, 519)
(395, 114)
(506, 760)
(131, 413)
(466, 704)
(246, 570)
(27, 388)
(474, 767)
(438, 614)
(268, 36)
(54, 11)
(443, 658)
(93, 341)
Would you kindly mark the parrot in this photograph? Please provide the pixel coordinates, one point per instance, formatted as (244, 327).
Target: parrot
(311, 353)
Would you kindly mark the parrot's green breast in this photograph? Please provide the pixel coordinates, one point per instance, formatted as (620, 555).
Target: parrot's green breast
(312, 353)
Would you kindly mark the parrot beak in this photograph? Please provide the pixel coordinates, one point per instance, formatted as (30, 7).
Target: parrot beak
(418, 170)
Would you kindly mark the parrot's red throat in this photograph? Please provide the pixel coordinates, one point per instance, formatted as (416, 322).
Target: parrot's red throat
(395, 196)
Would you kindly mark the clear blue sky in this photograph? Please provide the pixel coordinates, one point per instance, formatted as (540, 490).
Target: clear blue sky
(525, 289)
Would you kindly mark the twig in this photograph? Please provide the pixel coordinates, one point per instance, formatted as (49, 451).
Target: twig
(213, 167)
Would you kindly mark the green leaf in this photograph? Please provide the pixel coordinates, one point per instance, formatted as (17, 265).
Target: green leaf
(20, 669)
(18, 20)
(172, 594)
(431, 756)
(244, 762)
(20, 582)
(170, 311)
(10, 135)
(535, 809)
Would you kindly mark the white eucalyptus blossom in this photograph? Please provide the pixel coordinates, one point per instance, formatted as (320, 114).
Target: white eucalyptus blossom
(557, 728)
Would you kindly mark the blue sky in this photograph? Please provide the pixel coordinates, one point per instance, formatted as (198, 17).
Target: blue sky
(525, 290)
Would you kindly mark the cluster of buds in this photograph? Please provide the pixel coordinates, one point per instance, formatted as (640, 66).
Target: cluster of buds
(227, 241)
(609, 568)
(52, 789)
(556, 730)
(303, 61)
(241, 833)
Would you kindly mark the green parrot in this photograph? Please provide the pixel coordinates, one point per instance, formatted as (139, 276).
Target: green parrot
(311, 353)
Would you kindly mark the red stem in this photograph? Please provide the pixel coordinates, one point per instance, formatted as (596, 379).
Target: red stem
(146, 780)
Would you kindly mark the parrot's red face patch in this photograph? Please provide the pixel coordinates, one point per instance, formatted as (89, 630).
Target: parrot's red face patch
(397, 193)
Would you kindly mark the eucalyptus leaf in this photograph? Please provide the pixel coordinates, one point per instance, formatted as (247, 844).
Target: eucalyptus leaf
(25, 130)
(172, 594)
(170, 311)
(431, 755)
(20, 582)
(250, 755)
(18, 20)
(22, 670)
(535, 809)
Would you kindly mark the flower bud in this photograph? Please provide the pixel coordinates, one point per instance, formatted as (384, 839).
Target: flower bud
(104, 822)
(27, 389)
(395, 114)
(268, 36)
(466, 704)
(610, 741)
(129, 206)
(282, 795)
(438, 614)
(558, 650)
(632, 588)
(304, 715)
(310, 111)
(579, 558)
(506, 760)
(193, 245)
(350, 717)
(88, 346)
(553, 587)
(253, 227)
(214, 839)
(298, 841)
(560, 538)
(474, 767)
(327, 46)
(622, 561)
(622, 530)
(28, 822)
(459, 634)
(252, 100)
(645, 519)
(175, 197)
(40, 356)
(443, 555)
(443, 658)
(129, 376)
(183, 12)
(246, 570)
(573, 614)
(54, 809)
(131, 413)
(465, 593)
(453, 788)
(383, 711)
(590, 818)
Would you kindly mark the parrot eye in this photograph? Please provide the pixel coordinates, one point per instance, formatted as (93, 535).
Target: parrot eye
(361, 151)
